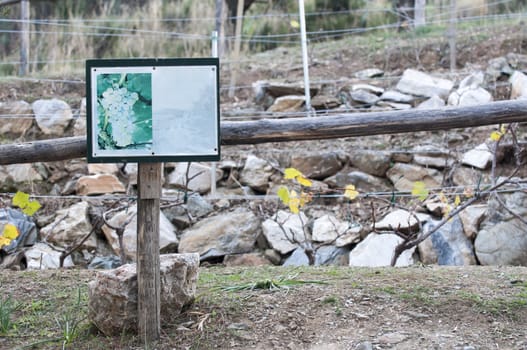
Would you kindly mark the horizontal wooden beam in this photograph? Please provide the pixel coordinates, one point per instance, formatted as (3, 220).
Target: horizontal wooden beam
(8, 2)
(305, 128)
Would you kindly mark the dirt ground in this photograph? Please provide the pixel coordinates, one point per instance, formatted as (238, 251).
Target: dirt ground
(306, 308)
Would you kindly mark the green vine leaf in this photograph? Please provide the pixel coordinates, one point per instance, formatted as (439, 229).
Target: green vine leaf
(22, 201)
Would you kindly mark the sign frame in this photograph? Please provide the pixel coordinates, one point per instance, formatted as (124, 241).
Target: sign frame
(107, 150)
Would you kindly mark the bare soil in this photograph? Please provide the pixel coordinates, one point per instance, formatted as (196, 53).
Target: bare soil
(307, 308)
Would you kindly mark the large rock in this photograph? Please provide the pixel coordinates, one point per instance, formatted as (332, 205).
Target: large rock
(318, 166)
(401, 220)
(469, 96)
(447, 246)
(99, 184)
(501, 239)
(377, 250)
(19, 173)
(372, 162)
(434, 102)
(198, 176)
(267, 91)
(471, 218)
(518, 82)
(328, 228)
(79, 128)
(479, 157)
(363, 98)
(220, 235)
(16, 117)
(396, 96)
(285, 232)
(69, 227)
(112, 296)
(363, 182)
(52, 116)
(284, 104)
(432, 156)
(421, 84)
(168, 240)
(324, 255)
(403, 176)
(256, 173)
(369, 73)
(42, 256)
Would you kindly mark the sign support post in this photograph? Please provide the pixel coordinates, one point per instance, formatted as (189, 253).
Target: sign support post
(149, 111)
(148, 275)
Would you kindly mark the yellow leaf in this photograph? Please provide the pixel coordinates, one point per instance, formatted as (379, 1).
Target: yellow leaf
(21, 199)
(283, 194)
(291, 173)
(350, 192)
(305, 198)
(10, 231)
(4, 241)
(294, 23)
(31, 208)
(503, 129)
(442, 198)
(304, 181)
(468, 192)
(419, 190)
(496, 136)
(457, 201)
(294, 202)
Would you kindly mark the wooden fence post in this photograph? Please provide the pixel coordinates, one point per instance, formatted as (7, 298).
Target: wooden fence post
(148, 279)
(237, 43)
(24, 37)
(452, 35)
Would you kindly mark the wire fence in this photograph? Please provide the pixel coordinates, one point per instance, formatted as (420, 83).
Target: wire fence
(120, 28)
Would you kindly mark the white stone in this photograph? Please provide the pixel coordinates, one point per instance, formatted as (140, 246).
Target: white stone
(479, 157)
(167, 233)
(199, 175)
(400, 219)
(52, 116)
(421, 84)
(70, 226)
(285, 231)
(19, 173)
(328, 228)
(256, 173)
(518, 82)
(41, 256)
(377, 250)
(434, 102)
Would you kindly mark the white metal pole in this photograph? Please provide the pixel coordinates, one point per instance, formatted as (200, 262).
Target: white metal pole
(214, 50)
(305, 62)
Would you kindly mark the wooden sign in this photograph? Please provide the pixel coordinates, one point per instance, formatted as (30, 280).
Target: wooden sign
(153, 110)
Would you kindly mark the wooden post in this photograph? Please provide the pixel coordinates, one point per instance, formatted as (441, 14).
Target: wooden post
(24, 37)
(452, 35)
(148, 296)
(237, 43)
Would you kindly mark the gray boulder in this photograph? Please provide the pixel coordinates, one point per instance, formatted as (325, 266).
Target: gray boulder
(370, 161)
(324, 255)
(256, 173)
(447, 246)
(403, 176)
(377, 250)
(418, 83)
(285, 232)
(17, 117)
(220, 235)
(112, 296)
(52, 116)
(318, 166)
(501, 239)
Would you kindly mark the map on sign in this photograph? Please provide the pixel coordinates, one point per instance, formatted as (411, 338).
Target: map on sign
(153, 110)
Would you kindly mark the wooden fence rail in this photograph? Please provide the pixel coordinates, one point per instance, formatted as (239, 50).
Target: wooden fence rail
(305, 128)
